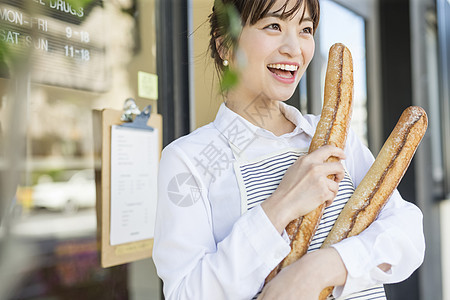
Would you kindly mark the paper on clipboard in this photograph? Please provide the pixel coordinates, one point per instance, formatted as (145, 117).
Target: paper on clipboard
(134, 164)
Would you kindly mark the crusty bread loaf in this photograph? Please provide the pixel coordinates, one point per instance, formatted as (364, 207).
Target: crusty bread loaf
(381, 180)
(338, 95)
(331, 130)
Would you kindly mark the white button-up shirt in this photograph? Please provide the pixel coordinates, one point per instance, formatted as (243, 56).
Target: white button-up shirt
(206, 248)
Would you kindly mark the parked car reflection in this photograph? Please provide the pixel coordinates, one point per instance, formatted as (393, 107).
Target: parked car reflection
(75, 190)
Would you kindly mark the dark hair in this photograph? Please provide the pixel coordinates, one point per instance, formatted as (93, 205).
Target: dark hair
(251, 11)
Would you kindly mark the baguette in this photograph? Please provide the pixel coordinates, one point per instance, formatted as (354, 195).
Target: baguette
(331, 130)
(381, 180)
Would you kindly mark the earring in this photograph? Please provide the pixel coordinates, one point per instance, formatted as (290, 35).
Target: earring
(225, 62)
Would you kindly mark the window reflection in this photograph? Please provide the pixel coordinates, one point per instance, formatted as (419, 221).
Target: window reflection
(49, 248)
(340, 25)
(69, 192)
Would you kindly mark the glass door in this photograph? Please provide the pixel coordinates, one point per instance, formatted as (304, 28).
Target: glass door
(339, 24)
(59, 61)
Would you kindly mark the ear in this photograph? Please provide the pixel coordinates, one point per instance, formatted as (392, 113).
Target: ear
(221, 47)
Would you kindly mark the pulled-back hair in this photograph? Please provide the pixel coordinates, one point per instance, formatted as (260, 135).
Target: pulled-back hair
(251, 11)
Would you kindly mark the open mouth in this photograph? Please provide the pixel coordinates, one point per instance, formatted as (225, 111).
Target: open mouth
(283, 70)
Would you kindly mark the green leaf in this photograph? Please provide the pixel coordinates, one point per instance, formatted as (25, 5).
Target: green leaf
(234, 22)
(230, 79)
(77, 4)
(230, 22)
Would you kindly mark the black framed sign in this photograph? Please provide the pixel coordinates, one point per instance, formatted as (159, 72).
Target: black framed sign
(63, 43)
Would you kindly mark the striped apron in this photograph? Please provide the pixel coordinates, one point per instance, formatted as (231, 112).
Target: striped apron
(259, 178)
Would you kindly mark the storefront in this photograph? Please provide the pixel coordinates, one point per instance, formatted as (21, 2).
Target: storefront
(63, 59)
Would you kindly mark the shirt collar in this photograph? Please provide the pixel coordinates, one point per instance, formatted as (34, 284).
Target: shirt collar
(229, 122)
(295, 116)
(233, 127)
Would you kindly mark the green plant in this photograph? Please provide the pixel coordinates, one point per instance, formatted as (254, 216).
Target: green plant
(76, 4)
(230, 20)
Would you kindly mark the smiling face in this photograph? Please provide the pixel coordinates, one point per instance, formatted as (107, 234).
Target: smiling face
(276, 51)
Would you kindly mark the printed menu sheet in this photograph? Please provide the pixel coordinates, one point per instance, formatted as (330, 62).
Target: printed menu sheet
(134, 164)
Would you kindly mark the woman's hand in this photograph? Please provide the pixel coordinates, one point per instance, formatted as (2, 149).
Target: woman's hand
(307, 277)
(305, 186)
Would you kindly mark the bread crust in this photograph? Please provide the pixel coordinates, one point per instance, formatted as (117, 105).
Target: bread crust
(331, 130)
(338, 95)
(382, 178)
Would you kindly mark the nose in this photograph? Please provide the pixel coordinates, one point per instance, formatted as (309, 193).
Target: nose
(291, 45)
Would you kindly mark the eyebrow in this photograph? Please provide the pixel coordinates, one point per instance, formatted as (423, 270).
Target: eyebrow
(278, 15)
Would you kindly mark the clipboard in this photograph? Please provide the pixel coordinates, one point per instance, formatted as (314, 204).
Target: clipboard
(103, 121)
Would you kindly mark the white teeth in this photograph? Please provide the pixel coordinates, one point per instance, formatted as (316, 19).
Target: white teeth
(283, 67)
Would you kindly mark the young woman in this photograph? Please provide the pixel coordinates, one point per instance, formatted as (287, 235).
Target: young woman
(228, 189)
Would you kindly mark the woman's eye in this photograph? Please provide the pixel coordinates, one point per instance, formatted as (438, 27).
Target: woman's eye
(307, 30)
(274, 27)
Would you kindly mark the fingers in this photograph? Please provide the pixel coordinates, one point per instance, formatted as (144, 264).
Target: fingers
(333, 188)
(334, 171)
(328, 175)
(327, 151)
(308, 183)
(338, 176)
(321, 157)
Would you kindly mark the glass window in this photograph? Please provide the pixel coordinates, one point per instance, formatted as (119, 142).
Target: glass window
(59, 61)
(341, 25)
(443, 14)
